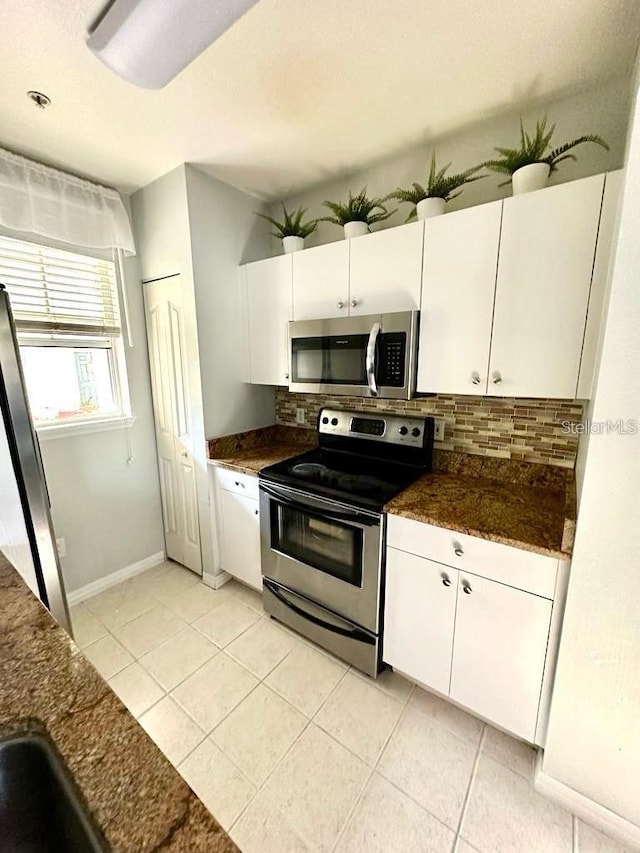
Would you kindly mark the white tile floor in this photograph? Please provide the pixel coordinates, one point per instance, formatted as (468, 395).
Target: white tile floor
(292, 750)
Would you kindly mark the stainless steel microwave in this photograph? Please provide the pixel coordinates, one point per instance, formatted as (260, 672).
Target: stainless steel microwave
(368, 356)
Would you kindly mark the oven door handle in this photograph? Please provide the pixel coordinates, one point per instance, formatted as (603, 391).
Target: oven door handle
(328, 512)
(370, 360)
(339, 626)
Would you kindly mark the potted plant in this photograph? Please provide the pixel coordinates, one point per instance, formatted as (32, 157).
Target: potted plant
(357, 214)
(292, 230)
(441, 188)
(530, 165)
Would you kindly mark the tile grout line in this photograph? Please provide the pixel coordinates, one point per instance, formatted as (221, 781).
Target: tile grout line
(467, 795)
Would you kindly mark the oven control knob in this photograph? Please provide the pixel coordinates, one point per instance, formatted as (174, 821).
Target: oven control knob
(325, 420)
(415, 432)
(334, 422)
(403, 430)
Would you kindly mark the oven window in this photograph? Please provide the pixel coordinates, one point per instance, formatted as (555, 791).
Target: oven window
(330, 546)
(330, 360)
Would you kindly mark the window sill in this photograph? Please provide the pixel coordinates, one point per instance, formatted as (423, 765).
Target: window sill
(49, 431)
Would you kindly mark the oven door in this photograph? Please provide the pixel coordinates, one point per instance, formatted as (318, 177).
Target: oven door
(324, 550)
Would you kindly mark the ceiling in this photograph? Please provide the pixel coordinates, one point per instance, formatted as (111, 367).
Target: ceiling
(299, 91)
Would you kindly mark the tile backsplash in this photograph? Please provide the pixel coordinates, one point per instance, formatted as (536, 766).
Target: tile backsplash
(530, 430)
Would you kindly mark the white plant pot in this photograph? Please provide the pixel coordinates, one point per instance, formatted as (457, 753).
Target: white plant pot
(429, 207)
(292, 244)
(355, 229)
(530, 178)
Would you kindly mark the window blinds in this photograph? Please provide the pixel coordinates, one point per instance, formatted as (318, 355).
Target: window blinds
(56, 291)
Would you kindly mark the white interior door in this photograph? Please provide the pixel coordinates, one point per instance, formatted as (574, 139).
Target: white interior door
(174, 438)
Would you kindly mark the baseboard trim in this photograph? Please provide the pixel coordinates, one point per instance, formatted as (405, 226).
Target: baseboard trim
(602, 818)
(93, 588)
(215, 581)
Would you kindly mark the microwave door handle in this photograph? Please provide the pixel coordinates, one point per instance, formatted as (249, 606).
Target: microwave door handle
(370, 361)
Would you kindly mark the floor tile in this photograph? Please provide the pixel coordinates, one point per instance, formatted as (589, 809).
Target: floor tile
(391, 683)
(214, 690)
(360, 716)
(108, 656)
(316, 786)
(590, 840)
(430, 764)
(305, 678)
(226, 622)
(459, 722)
(504, 814)
(178, 657)
(463, 846)
(262, 647)
(87, 628)
(219, 784)
(258, 733)
(146, 581)
(509, 751)
(120, 604)
(174, 581)
(136, 689)
(387, 821)
(195, 601)
(149, 630)
(251, 597)
(264, 829)
(172, 729)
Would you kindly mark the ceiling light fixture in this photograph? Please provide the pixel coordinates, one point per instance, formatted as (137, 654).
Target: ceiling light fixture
(148, 42)
(39, 99)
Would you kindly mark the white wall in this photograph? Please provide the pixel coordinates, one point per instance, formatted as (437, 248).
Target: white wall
(224, 233)
(603, 109)
(594, 733)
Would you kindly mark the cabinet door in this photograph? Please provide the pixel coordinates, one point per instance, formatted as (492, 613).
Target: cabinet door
(499, 652)
(269, 307)
(321, 282)
(385, 270)
(458, 287)
(419, 615)
(547, 247)
(240, 537)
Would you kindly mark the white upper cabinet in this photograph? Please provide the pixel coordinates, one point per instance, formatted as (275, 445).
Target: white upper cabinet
(321, 282)
(610, 204)
(546, 256)
(269, 309)
(385, 270)
(458, 287)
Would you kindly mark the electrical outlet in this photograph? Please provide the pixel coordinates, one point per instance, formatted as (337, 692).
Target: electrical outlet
(61, 545)
(300, 416)
(438, 426)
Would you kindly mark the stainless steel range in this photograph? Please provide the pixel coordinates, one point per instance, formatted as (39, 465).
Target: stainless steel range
(322, 528)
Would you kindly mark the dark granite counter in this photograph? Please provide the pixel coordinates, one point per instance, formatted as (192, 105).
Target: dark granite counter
(250, 451)
(138, 799)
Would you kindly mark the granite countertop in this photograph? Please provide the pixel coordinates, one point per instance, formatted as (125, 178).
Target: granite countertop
(248, 452)
(137, 798)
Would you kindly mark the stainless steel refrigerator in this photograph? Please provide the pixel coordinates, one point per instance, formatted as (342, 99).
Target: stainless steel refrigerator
(27, 537)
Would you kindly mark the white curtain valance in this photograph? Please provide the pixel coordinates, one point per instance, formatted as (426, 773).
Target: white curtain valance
(45, 201)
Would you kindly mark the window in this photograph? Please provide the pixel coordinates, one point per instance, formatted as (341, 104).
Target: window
(65, 307)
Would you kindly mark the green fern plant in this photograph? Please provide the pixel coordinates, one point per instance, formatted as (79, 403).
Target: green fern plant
(439, 185)
(292, 224)
(358, 208)
(534, 148)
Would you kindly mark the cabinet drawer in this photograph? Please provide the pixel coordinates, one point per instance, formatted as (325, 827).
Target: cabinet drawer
(521, 569)
(242, 484)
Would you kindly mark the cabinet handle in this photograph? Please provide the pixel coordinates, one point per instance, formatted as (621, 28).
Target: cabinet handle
(238, 483)
(354, 303)
(446, 581)
(466, 588)
(340, 304)
(286, 376)
(184, 454)
(497, 379)
(255, 512)
(475, 378)
(457, 550)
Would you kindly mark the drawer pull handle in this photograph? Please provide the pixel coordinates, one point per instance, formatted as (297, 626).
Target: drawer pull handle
(446, 581)
(458, 551)
(255, 512)
(238, 483)
(466, 588)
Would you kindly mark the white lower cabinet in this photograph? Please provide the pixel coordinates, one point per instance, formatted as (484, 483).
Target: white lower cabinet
(499, 652)
(479, 640)
(236, 520)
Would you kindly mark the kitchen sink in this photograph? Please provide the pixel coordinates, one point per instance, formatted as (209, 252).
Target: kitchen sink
(40, 809)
